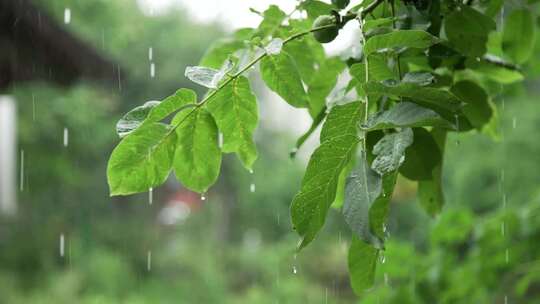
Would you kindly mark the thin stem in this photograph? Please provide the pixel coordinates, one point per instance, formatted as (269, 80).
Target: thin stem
(500, 63)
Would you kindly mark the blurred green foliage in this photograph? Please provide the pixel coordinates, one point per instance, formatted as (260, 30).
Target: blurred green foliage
(459, 257)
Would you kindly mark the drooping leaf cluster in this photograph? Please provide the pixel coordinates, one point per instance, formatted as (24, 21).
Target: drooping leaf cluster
(418, 70)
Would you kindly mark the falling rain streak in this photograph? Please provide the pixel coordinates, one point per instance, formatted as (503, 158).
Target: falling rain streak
(33, 107)
(152, 70)
(150, 53)
(21, 173)
(456, 117)
(220, 140)
(149, 260)
(62, 245)
(66, 137)
(67, 15)
(150, 196)
(252, 188)
(294, 270)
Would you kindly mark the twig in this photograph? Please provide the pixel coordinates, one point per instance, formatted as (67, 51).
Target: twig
(499, 62)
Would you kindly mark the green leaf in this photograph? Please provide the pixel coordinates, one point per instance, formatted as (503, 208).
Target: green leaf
(134, 118)
(317, 120)
(493, 7)
(433, 98)
(406, 114)
(419, 78)
(390, 151)
(519, 35)
(362, 262)
(374, 23)
(494, 72)
(154, 111)
(182, 99)
(468, 29)
(280, 74)
(476, 108)
(380, 208)
(322, 83)
(307, 53)
(399, 39)
(362, 255)
(274, 47)
(363, 187)
(207, 77)
(342, 181)
(273, 17)
(342, 120)
(219, 52)
(319, 185)
(421, 157)
(197, 159)
(378, 71)
(234, 108)
(142, 160)
(430, 192)
(315, 8)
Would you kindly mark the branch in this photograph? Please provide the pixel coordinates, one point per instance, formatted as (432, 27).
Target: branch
(501, 63)
(347, 18)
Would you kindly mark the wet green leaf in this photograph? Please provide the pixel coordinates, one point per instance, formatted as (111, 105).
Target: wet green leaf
(319, 185)
(406, 114)
(390, 151)
(433, 98)
(235, 110)
(476, 108)
(362, 262)
(400, 39)
(142, 160)
(155, 111)
(468, 30)
(363, 187)
(322, 83)
(519, 35)
(280, 74)
(273, 17)
(430, 192)
(197, 158)
(421, 157)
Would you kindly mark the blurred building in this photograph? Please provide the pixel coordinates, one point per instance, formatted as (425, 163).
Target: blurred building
(34, 47)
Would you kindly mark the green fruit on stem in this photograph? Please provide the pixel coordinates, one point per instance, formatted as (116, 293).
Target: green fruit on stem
(328, 34)
(341, 4)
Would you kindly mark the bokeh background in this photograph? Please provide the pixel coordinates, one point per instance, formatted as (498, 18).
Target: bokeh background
(69, 242)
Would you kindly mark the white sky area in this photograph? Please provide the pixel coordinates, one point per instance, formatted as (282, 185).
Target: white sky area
(235, 14)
